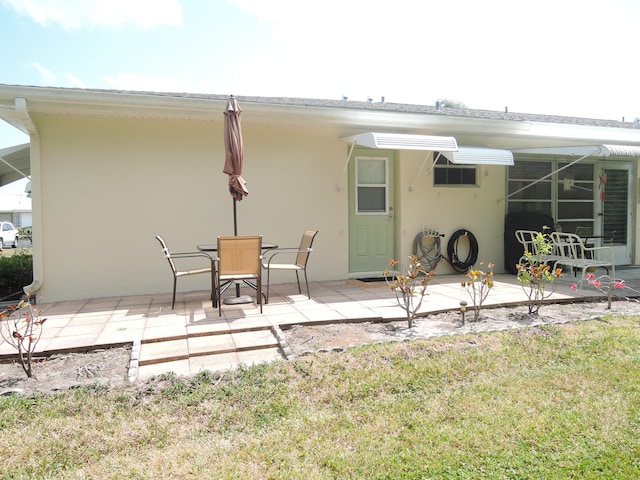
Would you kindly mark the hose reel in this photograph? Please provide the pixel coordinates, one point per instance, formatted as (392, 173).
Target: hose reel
(427, 247)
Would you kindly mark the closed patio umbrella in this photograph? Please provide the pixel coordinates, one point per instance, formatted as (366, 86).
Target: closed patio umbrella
(233, 161)
(234, 155)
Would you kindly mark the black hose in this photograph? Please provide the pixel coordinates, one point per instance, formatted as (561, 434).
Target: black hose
(428, 255)
(452, 251)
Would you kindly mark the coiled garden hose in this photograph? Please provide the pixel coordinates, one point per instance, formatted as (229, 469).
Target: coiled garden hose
(426, 246)
(462, 266)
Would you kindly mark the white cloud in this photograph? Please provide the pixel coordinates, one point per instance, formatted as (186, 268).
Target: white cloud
(72, 14)
(132, 81)
(529, 56)
(54, 79)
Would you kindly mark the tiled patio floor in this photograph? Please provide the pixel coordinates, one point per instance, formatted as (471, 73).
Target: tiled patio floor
(192, 337)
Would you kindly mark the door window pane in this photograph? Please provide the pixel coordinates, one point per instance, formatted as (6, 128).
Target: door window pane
(372, 199)
(371, 185)
(615, 206)
(372, 171)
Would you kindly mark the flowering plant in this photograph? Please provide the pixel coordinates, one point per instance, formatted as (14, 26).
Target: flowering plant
(538, 279)
(478, 287)
(605, 284)
(409, 288)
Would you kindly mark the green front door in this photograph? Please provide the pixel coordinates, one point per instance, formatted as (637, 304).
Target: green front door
(371, 211)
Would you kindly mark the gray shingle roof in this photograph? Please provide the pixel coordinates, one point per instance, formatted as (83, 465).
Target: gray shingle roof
(381, 107)
(409, 108)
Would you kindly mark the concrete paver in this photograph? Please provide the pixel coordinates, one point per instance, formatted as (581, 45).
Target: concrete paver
(193, 336)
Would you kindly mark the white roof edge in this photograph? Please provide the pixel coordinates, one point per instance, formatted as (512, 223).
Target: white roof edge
(582, 150)
(404, 141)
(480, 156)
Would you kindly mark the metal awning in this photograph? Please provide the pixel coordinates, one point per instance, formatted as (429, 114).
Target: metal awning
(447, 146)
(586, 150)
(479, 156)
(403, 141)
(14, 163)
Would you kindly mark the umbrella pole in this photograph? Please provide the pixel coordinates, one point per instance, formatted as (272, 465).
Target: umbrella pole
(235, 233)
(235, 219)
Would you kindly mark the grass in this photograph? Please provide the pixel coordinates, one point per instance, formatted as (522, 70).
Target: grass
(549, 402)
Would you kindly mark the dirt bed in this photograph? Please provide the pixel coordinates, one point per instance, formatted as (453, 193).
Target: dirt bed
(109, 367)
(308, 339)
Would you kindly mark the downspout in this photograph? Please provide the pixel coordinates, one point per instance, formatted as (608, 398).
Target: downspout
(20, 105)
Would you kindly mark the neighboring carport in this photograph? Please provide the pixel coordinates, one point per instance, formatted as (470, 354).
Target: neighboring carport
(15, 163)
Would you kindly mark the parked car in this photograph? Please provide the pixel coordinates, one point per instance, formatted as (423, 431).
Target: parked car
(9, 235)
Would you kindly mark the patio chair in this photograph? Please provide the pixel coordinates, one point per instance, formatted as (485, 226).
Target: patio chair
(239, 259)
(300, 264)
(582, 231)
(171, 257)
(527, 238)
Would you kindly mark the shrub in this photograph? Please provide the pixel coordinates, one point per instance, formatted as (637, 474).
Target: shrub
(478, 287)
(21, 327)
(409, 289)
(16, 272)
(538, 279)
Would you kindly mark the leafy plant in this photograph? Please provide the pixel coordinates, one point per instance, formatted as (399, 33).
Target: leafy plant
(538, 279)
(21, 327)
(409, 288)
(606, 284)
(478, 287)
(16, 271)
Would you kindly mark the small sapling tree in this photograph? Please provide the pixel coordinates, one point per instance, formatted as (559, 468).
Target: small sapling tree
(410, 287)
(21, 327)
(538, 279)
(478, 285)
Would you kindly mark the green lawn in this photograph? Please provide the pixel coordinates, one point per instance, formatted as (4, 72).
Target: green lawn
(543, 403)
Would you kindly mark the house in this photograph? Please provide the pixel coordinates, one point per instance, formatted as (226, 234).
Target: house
(111, 169)
(15, 208)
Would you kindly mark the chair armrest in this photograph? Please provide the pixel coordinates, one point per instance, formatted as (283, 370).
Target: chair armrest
(599, 253)
(194, 255)
(279, 251)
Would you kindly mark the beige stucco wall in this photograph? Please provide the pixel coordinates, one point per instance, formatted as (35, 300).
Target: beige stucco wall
(110, 185)
(447, 209)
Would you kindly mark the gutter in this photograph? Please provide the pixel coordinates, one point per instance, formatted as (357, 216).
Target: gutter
(20, 105)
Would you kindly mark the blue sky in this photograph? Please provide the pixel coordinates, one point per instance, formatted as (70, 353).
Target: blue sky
(563, 57)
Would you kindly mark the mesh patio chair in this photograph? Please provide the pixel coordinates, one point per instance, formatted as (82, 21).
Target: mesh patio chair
(609, 238)
(239, 259)
(582, 231)
(171, 257)
(300, 264)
